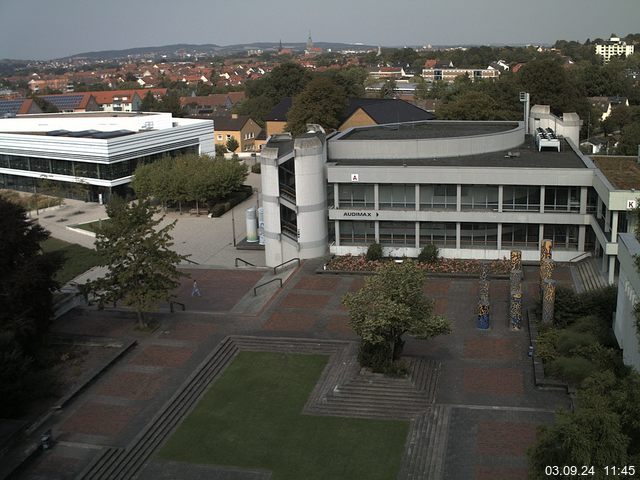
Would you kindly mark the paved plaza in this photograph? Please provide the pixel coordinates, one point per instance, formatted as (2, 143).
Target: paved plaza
(484, 396)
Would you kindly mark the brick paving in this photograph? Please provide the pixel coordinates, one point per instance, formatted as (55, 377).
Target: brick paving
(485, 380)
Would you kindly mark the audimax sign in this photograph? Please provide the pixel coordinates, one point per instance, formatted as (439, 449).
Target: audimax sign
(360, 214)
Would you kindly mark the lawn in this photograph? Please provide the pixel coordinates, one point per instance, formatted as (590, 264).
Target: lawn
(78, 259)
(251, 418)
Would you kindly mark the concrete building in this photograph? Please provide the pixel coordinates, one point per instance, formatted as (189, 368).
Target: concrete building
(474, 189)
(91, 155)
(624, 324)
(448, 73)
(614, 47)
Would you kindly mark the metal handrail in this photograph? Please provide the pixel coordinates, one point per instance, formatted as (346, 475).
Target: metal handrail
(243, 261)
(583, 254)
(284, 263)
(255, 289)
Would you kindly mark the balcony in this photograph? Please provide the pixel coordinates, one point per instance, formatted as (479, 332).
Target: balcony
(288, 192)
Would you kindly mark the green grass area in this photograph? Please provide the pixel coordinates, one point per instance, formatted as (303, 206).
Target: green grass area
(251, 418)
(91, 226)
(77, 259)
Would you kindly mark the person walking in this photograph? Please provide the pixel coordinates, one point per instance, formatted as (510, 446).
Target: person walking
(195, 291)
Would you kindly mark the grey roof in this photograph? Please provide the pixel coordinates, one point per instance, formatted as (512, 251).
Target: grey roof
(10, 106)
(431, 129)
(526, 156)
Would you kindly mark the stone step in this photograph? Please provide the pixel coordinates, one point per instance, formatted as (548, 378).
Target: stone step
(426, 446)
(378, 393)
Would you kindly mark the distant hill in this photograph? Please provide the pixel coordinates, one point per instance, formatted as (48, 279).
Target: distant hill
(207, 49)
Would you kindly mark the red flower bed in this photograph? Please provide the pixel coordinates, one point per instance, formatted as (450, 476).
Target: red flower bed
(358, 263)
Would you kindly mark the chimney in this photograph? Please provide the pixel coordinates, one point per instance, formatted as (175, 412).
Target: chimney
(234, 116)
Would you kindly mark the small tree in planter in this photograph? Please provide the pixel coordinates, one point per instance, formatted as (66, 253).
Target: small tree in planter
(429, 254)
(374, 252)
(390, 305)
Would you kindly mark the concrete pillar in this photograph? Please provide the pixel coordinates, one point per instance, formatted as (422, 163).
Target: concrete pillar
(337, 231)
(515, 305)
(516, 260)
(540, 235)
(311, 196)
(458, 235)
(612, 269)
(271, 205)
(377, 230)
(376, 196)
(458, 198)
(499, 234)
(336, 195)
(583, 200)
(417, 245)
(614, 226)
(500, 199)
(417, 195)
(541, 201)
(582, 235)
(548, 301)
(607, 219)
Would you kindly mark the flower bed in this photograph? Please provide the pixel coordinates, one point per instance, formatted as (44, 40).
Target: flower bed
(358, 263)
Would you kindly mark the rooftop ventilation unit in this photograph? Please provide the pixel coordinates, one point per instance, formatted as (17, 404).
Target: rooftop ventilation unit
(546, 139)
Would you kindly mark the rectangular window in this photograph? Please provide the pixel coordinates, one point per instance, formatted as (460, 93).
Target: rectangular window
(564, 237)
(440, 234)
(562, 199)
(358, 196)
(357, 233)
(399, 196)
(479, 197)
(19, 163)
(40, 165)
(85, 169)
(62, 167)
(399, 234)
(479, 235)
(520, 198)
(4, 161)
(438, 197)
(520, 235)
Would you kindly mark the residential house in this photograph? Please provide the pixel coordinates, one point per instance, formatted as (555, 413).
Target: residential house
(607, 104)
(448, 73)
(18, 106)
(73, 102)
(241, 127)
(614, 47)
(216, 103)
(125, 100)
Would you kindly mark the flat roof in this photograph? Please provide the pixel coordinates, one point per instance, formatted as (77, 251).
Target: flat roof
(86, 115)
(427, 129)
(622, 172)
(524, 156)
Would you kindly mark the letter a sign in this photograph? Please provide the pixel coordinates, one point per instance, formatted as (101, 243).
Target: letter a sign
(355, 177)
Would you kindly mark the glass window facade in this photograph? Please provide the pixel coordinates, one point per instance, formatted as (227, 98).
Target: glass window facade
(564, 237)
(109, 171)
(520, 198)
(521, 235)
(400, 196)
(562, 199)
(479, 197)
(399, 234)
(357, 233)
(440, 234)
(438, 197)
(479, 235)
(360, 196)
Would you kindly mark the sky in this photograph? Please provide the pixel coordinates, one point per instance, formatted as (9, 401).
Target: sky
(46, 29)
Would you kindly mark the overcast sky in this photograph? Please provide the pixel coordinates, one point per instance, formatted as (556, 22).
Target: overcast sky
(44, 29)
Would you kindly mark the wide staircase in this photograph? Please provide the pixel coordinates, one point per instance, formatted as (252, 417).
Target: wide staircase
(588, 276)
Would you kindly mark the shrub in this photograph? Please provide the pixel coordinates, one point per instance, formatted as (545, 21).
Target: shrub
(377, 357)
(546, 344)
(255, 168)
(572, 343)
(428, 254)
(571, 369)
(218, 210)
(596, 326)
(374, 252)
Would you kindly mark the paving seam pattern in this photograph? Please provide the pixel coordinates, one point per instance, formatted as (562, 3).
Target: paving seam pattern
(342, 390)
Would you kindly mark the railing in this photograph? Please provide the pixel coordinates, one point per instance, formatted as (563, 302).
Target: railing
(583, 254)
(243, 261)
(171, 303)
(255, 289)
(285, 263)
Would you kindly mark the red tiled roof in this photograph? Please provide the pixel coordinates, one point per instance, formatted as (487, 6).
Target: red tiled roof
(107, 96)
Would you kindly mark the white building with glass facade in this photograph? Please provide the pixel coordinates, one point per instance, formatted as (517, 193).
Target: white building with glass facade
(92, 155)
(474, 189)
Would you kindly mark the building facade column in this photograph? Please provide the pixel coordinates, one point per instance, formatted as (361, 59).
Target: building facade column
(500, 198)
(542, 193)
(499, 239)
(458, 235)
(614, 226)
(582, 235)
(458, 198)
(583, 200)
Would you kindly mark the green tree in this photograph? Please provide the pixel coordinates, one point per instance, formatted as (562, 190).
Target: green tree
(141, 267)
(390, 305)
(45, 106)
(149, 103)
(26, 278)
(232, 144)
(322, 102)
(220, 150)
(629, 140)
(388, 89)
(472, 105)
(171, 103)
